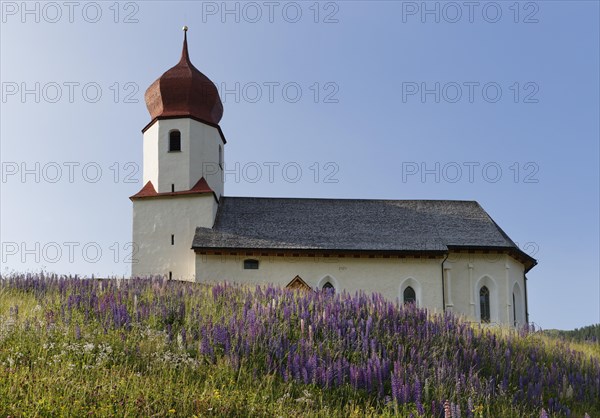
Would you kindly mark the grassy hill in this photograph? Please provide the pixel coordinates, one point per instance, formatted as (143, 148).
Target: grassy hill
(71, 347)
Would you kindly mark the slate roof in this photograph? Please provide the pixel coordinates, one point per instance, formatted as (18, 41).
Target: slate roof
(352, 225)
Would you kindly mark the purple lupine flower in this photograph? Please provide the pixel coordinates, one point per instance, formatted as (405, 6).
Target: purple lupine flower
(455, 410)
(405, 393)
(420, 408)
(183, 336)
(417, 389)
(470, 408)
(396, 388)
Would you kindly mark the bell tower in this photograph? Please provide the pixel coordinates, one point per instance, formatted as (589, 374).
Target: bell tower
(183, 142)
(183, 151)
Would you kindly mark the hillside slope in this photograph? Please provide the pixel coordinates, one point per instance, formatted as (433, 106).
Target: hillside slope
(71, 347)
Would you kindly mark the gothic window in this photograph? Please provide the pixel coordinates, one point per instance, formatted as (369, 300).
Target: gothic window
(328, 286)
(409, 295)
(250, 264)
(514, 311)
(174, 141)
(484, 304)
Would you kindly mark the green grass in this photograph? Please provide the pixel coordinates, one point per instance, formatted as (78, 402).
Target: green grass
(53, 374)
(58, 363)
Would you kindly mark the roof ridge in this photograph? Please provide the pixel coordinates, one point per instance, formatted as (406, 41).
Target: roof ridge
(351, 199)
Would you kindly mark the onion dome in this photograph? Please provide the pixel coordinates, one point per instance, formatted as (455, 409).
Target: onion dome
(183, 91)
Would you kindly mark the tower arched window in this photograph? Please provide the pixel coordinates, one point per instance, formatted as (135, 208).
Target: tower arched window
(409, 295)
(484, 304)
(174, 141)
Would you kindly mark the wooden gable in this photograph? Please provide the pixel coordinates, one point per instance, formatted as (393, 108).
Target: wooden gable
(298, 284)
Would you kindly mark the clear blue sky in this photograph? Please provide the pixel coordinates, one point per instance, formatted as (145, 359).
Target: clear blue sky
(530, 156)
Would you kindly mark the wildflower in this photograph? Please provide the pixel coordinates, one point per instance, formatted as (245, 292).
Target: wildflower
(396, 387)
(569, 393)
(470, 408)
(447, 411)
(455, 410)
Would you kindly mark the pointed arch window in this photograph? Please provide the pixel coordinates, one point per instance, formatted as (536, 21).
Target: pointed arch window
(174, 141)
(409, 295)
(328, 286)
(484, 304)
(514, 311)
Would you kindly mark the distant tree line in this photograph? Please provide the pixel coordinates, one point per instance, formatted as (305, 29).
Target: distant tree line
(591, 333)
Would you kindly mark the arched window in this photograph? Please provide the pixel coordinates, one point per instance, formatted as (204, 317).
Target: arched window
(329, 283)
(409, 295)
(328, 287)
(250, 264)
(484, 304)
(220, 156)
(174, 141)
(518, 311)
(514, 311)
(410, 291)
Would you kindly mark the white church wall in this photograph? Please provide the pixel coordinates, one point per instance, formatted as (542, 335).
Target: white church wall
(173, 167)
(383, 275)
(150, 154)
(155, 220)
(204, 153)
(467, 273)
(517, 286)
(499, 272)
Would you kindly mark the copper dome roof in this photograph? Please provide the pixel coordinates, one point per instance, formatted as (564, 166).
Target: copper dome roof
(184, 91)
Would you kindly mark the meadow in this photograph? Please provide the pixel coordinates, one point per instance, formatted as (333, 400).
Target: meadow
(149, 347)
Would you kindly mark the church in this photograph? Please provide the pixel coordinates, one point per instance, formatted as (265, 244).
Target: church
(444, 255)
